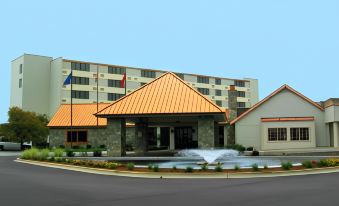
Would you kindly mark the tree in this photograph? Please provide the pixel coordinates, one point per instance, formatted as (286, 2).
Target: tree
(27, 126)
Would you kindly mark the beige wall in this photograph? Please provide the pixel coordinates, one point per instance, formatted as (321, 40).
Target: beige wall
(285, 104)
(332, 114)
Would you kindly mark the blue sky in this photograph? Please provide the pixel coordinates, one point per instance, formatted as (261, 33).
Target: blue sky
(276, 41)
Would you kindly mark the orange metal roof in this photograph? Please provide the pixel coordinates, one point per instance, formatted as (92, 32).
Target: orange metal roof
(167, 94)
(287, 119)
(285, 86)
(83, 115)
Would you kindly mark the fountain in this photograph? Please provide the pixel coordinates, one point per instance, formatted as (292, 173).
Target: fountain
(209, 155)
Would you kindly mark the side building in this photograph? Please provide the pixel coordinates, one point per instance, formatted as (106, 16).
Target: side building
(37, 84)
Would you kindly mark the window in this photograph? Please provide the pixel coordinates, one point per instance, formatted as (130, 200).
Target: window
(277, 134)
(148, 74)
(114, 96)
(20, 83)
(80, 66)
(142, 83)
(181, 76)
(204, 91)
(114, 83)
(77, 136)
(116, 70)
(300, 134)
(241, 104)
(241, 94)
(80, 80)
(80, 94)
(239, 83)
(20, 70)
(217, 92)
(204, 80)
(218, 81)
(219, 103)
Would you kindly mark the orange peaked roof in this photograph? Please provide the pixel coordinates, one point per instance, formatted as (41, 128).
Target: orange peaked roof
(167, 94)
(285, 86)
(83, 116)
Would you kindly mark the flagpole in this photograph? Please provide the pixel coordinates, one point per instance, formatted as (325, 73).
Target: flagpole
(125, 82)
(97, 99)
(71, 107)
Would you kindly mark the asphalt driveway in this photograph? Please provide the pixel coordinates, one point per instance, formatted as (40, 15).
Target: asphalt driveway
(22, 184)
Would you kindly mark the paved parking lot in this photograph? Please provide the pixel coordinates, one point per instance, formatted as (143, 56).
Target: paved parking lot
(23, 184)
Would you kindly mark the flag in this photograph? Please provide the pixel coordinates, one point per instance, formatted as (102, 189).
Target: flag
(122, 82)
(68, 79)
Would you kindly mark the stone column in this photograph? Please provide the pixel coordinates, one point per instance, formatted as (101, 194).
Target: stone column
(225, 135)
(335, 134)
(172, 139)
(232, 102)
(116, 137)
(141, 137)
(206, 132)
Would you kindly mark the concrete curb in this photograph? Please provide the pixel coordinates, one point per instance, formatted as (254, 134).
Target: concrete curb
(157, 175)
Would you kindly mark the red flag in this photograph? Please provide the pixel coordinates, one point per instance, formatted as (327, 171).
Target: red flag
(122, 82)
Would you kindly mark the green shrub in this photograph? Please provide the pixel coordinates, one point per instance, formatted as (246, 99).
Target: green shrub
(97, 153)
(307, 164)
(204, 167)
(286, 165)
(174, 167)
(238, 147)
(150, 166)
(30, 154)
(59, 159)
(255, 167)
(322, 163)
(58, 152)
(218, 168)
(328, 162)
(236, 167)
(111, 165)
(69, 153)
(265, 166)
(43, 154)
(130, 166)
(155, 168)
(189, 169)
(51, 159)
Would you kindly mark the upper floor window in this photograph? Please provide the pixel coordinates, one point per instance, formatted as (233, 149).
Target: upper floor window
(114, 83)
(114, 96)
(239, 83)
(241, 94)
(80, 66)
(80, 94)
(299, 134)
(20, 83)
(217, 92)
(181, 76)
(204, 80)
(148, 74)
(20, 70)
(241, 104)
(219, 103)
(277, 134)
(80, 80)
(218, 81)
(204, 91)
(116, 70)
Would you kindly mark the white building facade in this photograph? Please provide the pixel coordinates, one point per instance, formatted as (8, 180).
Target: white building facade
(37, 84)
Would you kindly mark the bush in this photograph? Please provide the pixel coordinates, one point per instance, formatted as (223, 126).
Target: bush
(204, 167)
(88, 146)
(97, 153)
(286, 165)
(238, 147)
(255, 153)
(69, 153)
(150, 166)
(30, 154)
(130, 166)
(265, 166)
(58, 152)
(155, 168)
(43, 154)
(174, 167)
(249, 149)
(111, 165)
(255, 167)
(328, 162)
(236, 167)
(51, 159)
(307, 164)
(189, 169)
(102, 146)
(59, 159)
(218, 168)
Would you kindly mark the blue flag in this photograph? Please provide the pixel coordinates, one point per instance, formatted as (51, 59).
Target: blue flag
(68, 79)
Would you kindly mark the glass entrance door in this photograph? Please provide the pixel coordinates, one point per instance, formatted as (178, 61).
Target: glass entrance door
(184, 138)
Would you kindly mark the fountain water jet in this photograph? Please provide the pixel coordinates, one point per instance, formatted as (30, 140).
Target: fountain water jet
(209, 155)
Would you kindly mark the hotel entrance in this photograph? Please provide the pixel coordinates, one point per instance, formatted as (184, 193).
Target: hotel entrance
(184, 138)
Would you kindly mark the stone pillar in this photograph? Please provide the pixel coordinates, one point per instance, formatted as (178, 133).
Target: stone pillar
(141, 137)
(335, 134)
(232, 102)
(116, 137)
(206, 132)
(225, 135)
(172, 139)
